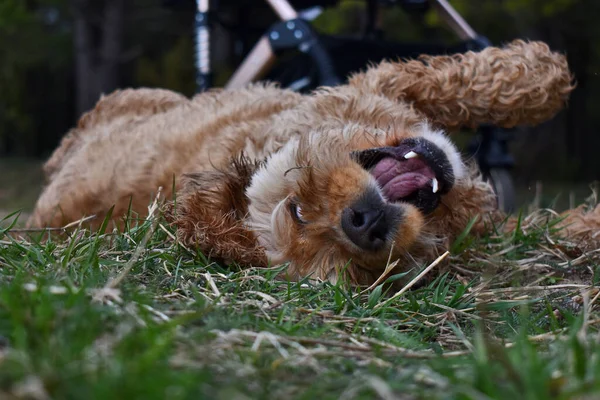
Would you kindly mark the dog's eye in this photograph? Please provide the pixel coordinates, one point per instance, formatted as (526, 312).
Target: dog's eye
(296, 211)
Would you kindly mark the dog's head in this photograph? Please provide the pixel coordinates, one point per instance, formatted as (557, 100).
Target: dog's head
(350, 198)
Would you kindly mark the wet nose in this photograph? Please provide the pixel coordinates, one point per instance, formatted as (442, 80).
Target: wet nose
(369, 221)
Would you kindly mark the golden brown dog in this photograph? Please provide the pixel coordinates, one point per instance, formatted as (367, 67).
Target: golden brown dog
(347, 178)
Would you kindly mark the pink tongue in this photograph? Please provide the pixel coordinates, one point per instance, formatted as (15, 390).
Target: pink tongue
(399, 179)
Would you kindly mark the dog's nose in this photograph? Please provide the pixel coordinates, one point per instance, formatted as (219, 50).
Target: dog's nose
(369, 221)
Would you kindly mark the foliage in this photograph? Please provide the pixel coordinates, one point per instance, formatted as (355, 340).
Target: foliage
(31, 42)
(169, 71)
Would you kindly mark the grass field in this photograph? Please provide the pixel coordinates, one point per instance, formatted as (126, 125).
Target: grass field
(133, 314)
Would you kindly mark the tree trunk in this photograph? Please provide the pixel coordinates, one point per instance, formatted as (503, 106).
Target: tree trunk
(577, 118)
(98, 41)
(84, 51)
(112, 45)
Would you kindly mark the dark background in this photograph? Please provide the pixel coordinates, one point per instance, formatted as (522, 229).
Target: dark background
(58, 56)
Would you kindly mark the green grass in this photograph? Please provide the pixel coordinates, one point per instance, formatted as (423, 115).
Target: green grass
(135, 315)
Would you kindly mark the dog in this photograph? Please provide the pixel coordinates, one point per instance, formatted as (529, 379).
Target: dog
(340, 181)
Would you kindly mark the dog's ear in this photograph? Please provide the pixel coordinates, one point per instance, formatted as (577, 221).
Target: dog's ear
(209, 213)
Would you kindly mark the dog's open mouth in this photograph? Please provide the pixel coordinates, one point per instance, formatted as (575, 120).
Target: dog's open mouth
(416, 171)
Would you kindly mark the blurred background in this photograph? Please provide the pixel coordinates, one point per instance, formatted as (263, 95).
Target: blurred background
(58, 56)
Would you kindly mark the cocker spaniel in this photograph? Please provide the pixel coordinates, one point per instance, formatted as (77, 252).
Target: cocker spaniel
(345, 179)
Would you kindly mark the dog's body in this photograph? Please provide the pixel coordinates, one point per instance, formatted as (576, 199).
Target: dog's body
(347, 178)
(135, 141)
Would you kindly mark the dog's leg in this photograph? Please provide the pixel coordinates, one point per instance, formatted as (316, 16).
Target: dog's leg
(522, 83)
(210, 213)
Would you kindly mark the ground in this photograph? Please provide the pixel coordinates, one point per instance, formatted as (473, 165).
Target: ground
(133, 314)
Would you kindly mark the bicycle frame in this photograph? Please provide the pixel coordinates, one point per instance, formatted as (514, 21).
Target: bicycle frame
(203, 74)
(261, 57)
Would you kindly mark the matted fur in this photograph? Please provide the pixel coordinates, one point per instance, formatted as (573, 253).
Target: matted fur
(240, 161)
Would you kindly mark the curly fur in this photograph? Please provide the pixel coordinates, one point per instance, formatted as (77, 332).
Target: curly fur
(239, 160)
(524, 83)
(582, 226)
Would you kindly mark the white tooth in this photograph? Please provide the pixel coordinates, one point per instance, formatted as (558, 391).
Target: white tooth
(410, 154)
(435, 186)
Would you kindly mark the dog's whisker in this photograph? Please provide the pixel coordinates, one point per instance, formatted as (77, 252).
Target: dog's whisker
(296, 168)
